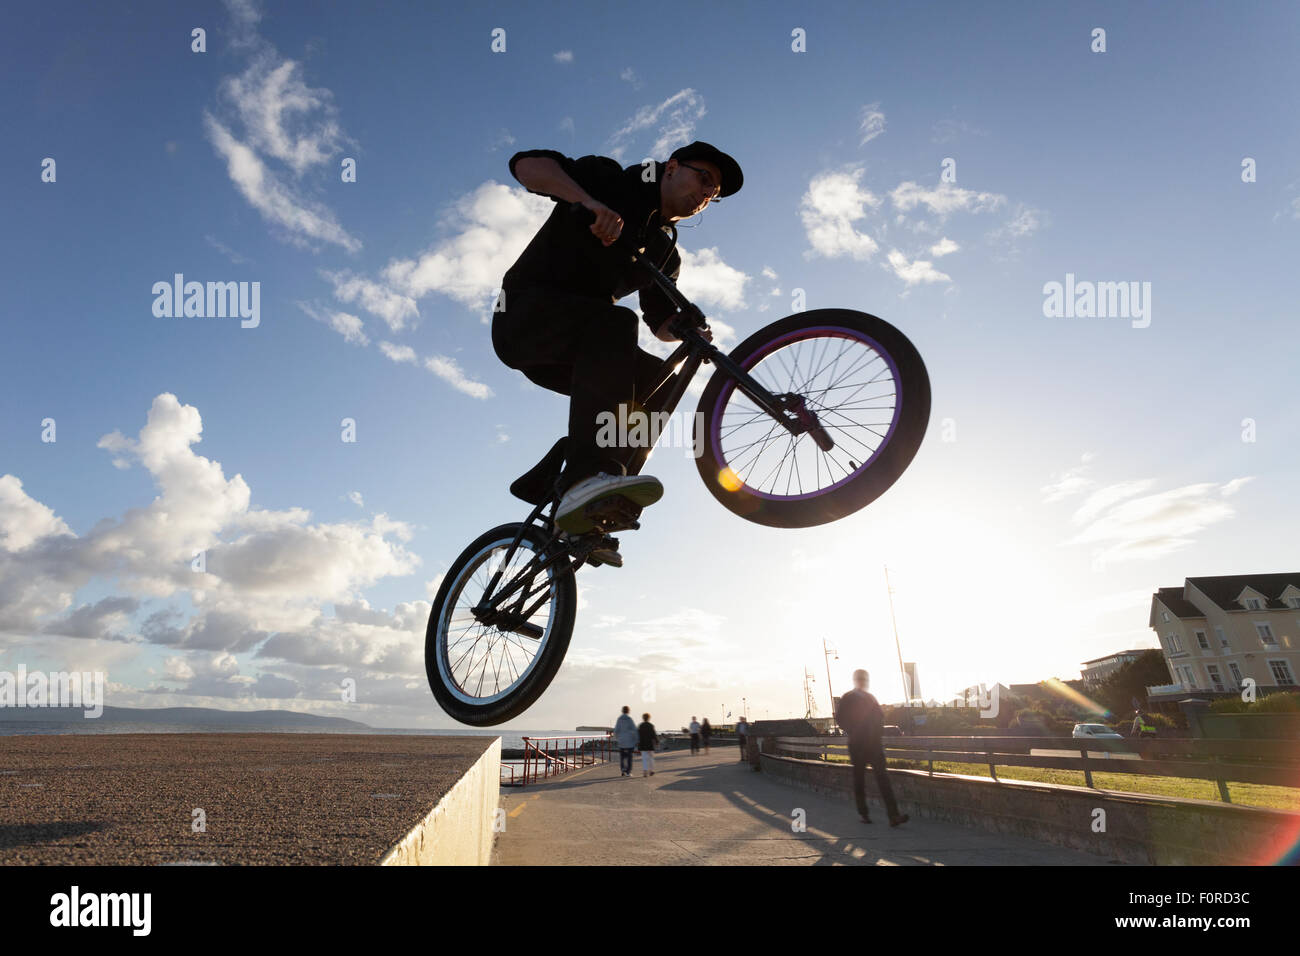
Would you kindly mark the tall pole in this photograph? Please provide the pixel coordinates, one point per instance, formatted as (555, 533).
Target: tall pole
(902, 671)
(829, 693)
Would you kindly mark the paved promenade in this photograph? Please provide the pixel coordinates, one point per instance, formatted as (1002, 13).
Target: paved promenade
(713, 809)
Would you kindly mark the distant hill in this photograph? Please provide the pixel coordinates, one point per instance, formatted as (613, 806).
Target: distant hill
(205, 718)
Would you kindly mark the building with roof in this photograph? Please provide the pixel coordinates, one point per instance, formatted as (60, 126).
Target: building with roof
(1217, 633)
(1099, 668)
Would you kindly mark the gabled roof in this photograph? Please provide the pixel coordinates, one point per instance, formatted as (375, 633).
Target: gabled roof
(1172, 598)
(1225, 590)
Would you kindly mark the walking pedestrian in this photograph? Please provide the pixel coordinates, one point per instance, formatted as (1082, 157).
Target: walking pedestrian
(695, 736)
(706, 732)
(742, 734)
(860, 715)
(647, 740)
(626, 738)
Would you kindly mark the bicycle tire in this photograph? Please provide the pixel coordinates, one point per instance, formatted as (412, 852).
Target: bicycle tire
(869, 480)
(548, 659)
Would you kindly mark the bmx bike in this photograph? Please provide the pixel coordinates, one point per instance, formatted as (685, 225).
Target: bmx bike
(806, 421)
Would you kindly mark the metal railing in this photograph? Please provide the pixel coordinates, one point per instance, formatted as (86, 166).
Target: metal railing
(549, 756)
(1268, 762)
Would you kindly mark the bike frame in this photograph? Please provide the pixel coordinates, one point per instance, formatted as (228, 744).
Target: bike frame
(693, 350)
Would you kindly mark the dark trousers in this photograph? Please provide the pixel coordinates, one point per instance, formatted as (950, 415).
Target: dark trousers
(625, 759)
(861, 753)
(584, 348)
(742, 738)
(695, 743)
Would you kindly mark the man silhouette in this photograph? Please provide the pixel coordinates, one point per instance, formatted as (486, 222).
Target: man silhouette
(860, 716)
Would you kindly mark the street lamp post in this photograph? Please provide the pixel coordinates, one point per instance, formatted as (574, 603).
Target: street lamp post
(827, 652)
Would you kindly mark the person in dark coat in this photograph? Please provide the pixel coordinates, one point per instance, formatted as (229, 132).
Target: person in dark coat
(706, 731)
(860, 716)
(647, 740)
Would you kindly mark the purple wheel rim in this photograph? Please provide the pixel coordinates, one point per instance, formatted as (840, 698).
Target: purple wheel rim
(798, 335)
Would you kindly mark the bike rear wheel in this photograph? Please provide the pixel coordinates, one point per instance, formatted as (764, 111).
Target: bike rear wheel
(486, 673)
(861, 381)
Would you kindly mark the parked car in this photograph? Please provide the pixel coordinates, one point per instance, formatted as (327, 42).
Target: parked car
(1095, 731)
(892, 730)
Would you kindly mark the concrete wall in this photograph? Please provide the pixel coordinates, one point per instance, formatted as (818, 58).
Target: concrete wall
(1140, 830)
(458, 830)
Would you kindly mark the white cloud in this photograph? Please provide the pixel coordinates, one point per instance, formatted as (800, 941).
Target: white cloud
(872, 123)
(708, 281)
(563, 56)
(944, 199)
(356, 499)
(398, 353)
(675, 119)
(24, 520)
(1071, 482)
(394, 307)
(263, 570)
(946, 130)
(833, 202)
(450, 372)
(283, 117)
(344, 323)
(1026, 221)
(280, 205)
(943, 247)
(1153, 525)
(494, 224)
(916, 271)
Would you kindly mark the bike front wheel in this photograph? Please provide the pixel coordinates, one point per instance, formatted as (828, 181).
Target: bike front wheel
(485, 668)
(857, 381)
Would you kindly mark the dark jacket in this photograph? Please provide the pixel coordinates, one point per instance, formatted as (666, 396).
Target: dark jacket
(647, 739)
(860, 716)
(564, 255)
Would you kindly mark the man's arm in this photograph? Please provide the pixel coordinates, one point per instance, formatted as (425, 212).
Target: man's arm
(551, 174)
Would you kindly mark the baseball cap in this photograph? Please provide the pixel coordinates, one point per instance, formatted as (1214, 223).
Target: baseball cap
(732, 178)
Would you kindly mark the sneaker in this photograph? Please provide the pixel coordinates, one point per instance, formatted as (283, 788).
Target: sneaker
(864, 818)
(638, 490)
(899, 820)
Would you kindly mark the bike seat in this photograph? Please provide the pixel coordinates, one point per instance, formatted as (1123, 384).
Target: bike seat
(536, 485)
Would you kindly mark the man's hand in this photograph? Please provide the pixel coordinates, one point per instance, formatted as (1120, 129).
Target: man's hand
(608, 224)
(664, 332)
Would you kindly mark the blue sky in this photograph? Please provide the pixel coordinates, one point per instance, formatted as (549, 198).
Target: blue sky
(1073, 464)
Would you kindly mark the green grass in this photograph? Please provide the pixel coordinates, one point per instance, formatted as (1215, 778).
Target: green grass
(1246, 794)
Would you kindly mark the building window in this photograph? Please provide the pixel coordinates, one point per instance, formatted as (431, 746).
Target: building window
(1202, 641)
(1164, 616)
(1215, 677)
(1188, 679)
(1236, 672)
(1266, 635)
(1281, 673)
(1223, 638)
(1252, 604)
(1174, 644)
(1294, 602)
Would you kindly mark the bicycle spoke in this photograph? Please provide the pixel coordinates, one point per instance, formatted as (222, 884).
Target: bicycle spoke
(848, 385)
